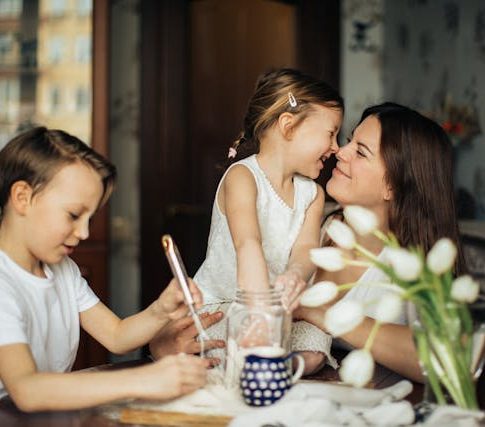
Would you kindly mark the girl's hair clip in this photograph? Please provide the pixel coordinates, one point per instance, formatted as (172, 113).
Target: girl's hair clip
(292, 100)
(232, 153)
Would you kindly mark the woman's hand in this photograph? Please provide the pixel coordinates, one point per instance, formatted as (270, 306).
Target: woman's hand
(180, 336)
(293, 285)
(171, 302)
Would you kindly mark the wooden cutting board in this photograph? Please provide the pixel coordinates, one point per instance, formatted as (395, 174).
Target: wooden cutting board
(171, 419)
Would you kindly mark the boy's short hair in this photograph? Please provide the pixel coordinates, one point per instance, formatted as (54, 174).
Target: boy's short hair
(36, 155)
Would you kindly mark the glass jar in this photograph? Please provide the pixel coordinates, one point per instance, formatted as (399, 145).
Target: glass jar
(255, 319)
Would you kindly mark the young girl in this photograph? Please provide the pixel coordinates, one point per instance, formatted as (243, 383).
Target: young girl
(267, 209)
(51, 184)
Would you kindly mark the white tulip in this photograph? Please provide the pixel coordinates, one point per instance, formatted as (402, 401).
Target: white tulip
(330, 259)
(389, 308)
(357, 368)
(343, 317)
(465, 289)
(341, 234)
(442, 256)
(362, 220)
(320, 293)
(405, 264)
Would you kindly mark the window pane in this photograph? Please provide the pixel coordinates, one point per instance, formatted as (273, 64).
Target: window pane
(83, 49)
(10, 8)
(84, 7)
(83, 99)
(45, 66)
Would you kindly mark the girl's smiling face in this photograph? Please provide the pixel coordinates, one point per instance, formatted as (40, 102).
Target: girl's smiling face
(57, 218)
(315, 140)
(359, 176)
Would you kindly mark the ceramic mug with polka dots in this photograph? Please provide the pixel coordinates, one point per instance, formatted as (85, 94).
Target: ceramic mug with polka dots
(267, 375)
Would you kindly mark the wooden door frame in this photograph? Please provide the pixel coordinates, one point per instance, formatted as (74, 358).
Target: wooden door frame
(164, 93)
(92, 256)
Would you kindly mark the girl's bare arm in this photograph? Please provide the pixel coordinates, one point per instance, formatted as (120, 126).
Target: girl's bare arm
(239, 194)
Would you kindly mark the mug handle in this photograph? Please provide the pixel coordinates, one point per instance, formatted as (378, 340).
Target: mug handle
(301, 366)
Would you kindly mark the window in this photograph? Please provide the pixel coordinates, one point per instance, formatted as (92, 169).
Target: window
(55, 49)
(6, 48)
(83, 49)
(54, 99)
(10, 96)
(83, 99)
(84, 7)
(10, 8)
(57, 7)
(45, 57)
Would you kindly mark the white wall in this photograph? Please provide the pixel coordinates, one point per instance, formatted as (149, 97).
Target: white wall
(361, 59)
(435, 52)
(420, 53)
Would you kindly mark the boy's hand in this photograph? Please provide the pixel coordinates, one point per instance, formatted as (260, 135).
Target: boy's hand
(171, 377)
(171, 302)
(292, 285)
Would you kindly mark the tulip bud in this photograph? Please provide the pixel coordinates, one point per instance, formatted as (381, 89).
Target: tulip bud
(442, 256)
(341, 234)
(362, 220)
(465, 289)
(330, 259)
(319, 294)
(343, 317)
(405, 264)
(389, 308)
(357, 368)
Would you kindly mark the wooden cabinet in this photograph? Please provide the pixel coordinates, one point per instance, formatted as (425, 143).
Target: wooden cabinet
(199, 63)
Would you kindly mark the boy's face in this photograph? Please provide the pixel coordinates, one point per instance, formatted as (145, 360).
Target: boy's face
(57, 218)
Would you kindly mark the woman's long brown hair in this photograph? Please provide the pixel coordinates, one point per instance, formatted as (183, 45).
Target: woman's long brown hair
(418, 159)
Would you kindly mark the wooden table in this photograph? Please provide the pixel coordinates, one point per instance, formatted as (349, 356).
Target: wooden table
(10, 416)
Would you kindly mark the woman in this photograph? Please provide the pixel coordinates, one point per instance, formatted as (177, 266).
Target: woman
(397, 164)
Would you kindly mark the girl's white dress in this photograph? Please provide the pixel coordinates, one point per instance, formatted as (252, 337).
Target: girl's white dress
(279, 226)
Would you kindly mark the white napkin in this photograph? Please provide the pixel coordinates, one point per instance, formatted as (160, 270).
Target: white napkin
(210, 400)
(322, 404)
(453, 416)
(316, 404)
(350, 395)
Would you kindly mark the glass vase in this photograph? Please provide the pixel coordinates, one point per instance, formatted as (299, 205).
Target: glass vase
(451, 360)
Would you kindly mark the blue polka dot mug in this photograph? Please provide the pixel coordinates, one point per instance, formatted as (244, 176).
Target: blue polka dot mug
(267, 375)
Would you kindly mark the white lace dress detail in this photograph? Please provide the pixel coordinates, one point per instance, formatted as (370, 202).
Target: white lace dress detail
(279, 226)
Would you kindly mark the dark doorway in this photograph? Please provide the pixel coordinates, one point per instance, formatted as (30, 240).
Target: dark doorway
(200, 60)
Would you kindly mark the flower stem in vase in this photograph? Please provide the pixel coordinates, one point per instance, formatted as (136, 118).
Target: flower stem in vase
(445, 357)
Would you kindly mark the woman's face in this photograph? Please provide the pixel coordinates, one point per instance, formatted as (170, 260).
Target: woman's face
(359, 175)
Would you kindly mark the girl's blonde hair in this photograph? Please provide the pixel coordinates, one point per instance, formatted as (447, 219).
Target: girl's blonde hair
(276, 92)
(36, 155)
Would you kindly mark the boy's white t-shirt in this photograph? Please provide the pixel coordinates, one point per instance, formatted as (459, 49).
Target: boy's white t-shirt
(43, 312)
